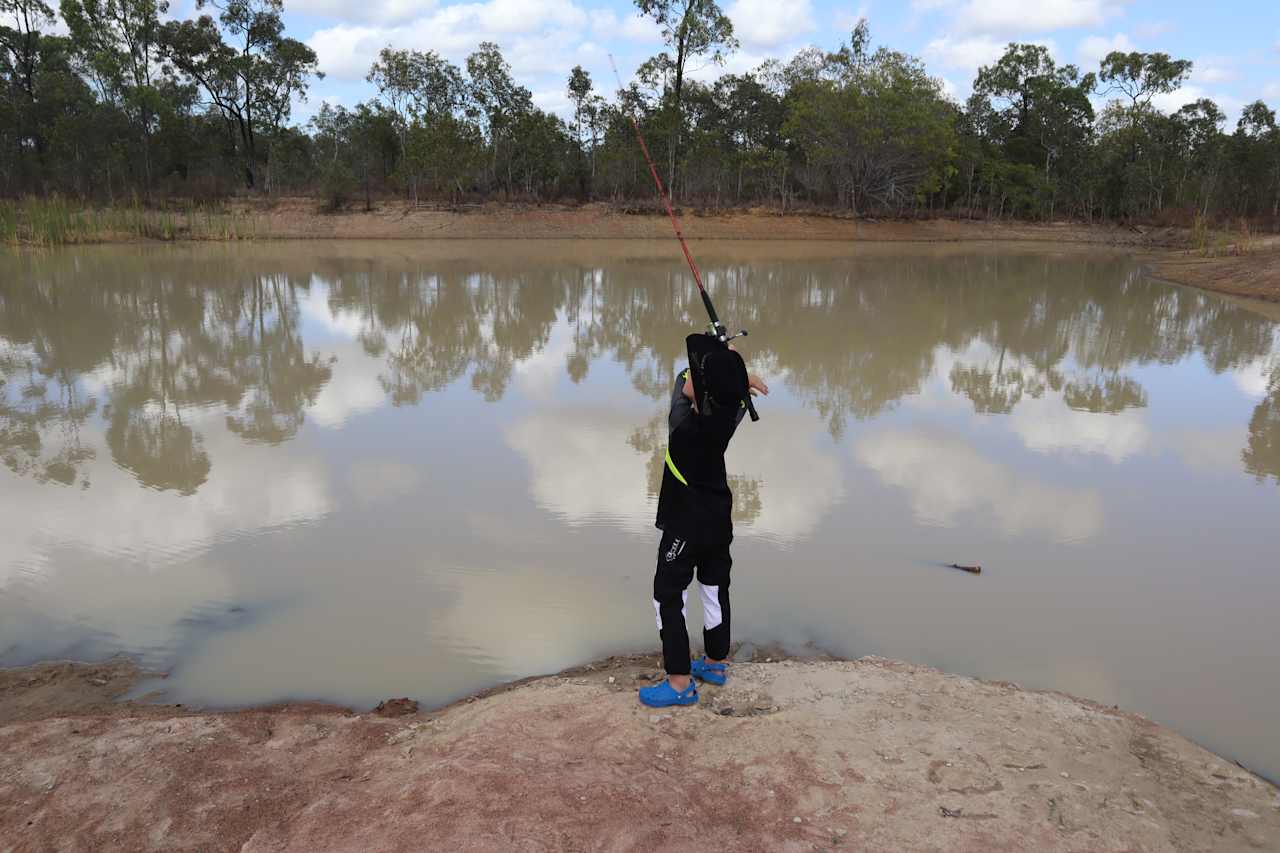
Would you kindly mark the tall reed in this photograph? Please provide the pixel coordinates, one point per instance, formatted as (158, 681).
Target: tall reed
(56, 221)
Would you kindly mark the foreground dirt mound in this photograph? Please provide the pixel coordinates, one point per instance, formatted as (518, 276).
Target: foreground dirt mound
(868, 755)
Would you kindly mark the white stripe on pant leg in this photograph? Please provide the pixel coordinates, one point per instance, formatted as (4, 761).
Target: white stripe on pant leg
(684, 601)
(712, 616)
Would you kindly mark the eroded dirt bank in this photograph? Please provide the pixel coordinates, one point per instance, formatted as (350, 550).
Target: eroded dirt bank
(302, 219)
(1253, 274)
(863, 755)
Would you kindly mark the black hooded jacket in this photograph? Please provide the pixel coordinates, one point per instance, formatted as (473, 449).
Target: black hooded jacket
(695, 502)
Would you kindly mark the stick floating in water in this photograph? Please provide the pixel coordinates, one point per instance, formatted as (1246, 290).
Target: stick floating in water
(973, 570)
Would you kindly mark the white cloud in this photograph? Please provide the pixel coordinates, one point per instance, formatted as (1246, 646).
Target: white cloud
(381, 11)
(964, 54)
(1214, 69)
(131, 561)
(352, 389)
(1254, 379)
(946, 478)
(1010, 17)
(738, 62)
(1046, 425)
(345, 52)
(538, 375)
(845, 20)
(1215, 74)
(1093, 49)
(583, 470)
(1207, 449)
(1152, 29)
(770, 23)
(374, 479)
(1190, 93)
(799, 482)
(605, 24)
(930, 5)
(533, 36)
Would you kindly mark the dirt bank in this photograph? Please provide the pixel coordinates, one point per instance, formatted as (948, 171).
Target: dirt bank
(302, 219)
(864, 755)
(1252, 273)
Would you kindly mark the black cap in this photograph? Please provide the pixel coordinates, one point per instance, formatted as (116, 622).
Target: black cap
(726, 375)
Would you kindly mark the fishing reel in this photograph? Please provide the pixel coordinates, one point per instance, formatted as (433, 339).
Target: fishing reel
(721, 334)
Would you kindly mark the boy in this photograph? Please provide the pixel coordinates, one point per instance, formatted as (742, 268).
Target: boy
(694, 515)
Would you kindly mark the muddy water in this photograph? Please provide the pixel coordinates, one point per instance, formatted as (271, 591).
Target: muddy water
(352, 471)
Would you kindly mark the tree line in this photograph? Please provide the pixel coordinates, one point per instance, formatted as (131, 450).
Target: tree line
(131, 105)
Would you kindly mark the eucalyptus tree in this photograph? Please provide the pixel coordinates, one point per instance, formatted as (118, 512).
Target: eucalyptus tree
(690, 29)
(118, 44)
(1139, 78)
(427, 95)
(1041, 114)
(247, 67)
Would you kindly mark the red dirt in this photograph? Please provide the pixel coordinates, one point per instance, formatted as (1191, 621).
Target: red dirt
(790, 756)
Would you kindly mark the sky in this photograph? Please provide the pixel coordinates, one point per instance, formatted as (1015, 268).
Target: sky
(1235, 44)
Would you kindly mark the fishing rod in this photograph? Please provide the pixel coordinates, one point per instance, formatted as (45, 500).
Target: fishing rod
(718, 330)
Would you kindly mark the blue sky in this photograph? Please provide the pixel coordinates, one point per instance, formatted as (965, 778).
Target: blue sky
(1235, 45)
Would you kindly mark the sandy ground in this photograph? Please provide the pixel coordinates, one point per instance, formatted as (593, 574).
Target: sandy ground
(816, 755)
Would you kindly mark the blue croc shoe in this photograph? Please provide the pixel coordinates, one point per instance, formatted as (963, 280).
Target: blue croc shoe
(709, 671)
(664, 695)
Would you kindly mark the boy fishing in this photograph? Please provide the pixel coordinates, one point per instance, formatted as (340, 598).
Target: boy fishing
(695, 516)
(695, 506)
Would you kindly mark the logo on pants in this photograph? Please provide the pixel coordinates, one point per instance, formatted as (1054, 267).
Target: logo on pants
(674, 551)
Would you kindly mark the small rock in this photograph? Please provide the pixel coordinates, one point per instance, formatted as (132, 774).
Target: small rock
(1066, 775)
(841, 831)
(1243, 813)
(795, 820)
(768, 660)
(612, 679)
(725, 712)
(657, 718)
(396, 707)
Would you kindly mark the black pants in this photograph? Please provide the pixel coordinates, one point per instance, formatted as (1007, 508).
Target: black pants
(677, 561)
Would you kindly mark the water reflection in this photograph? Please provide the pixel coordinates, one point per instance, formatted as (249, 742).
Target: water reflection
(263, 467)
(146, 342)
(160, 341)
(1261, 454)
(948, 479)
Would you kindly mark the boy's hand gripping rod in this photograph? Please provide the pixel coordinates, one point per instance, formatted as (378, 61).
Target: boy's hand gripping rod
(717, 328)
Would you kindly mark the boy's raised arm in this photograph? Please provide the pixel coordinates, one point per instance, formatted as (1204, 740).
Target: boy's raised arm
(681, 404)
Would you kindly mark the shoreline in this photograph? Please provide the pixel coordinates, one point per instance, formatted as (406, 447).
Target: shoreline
(1248, 268)
(791, 755)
